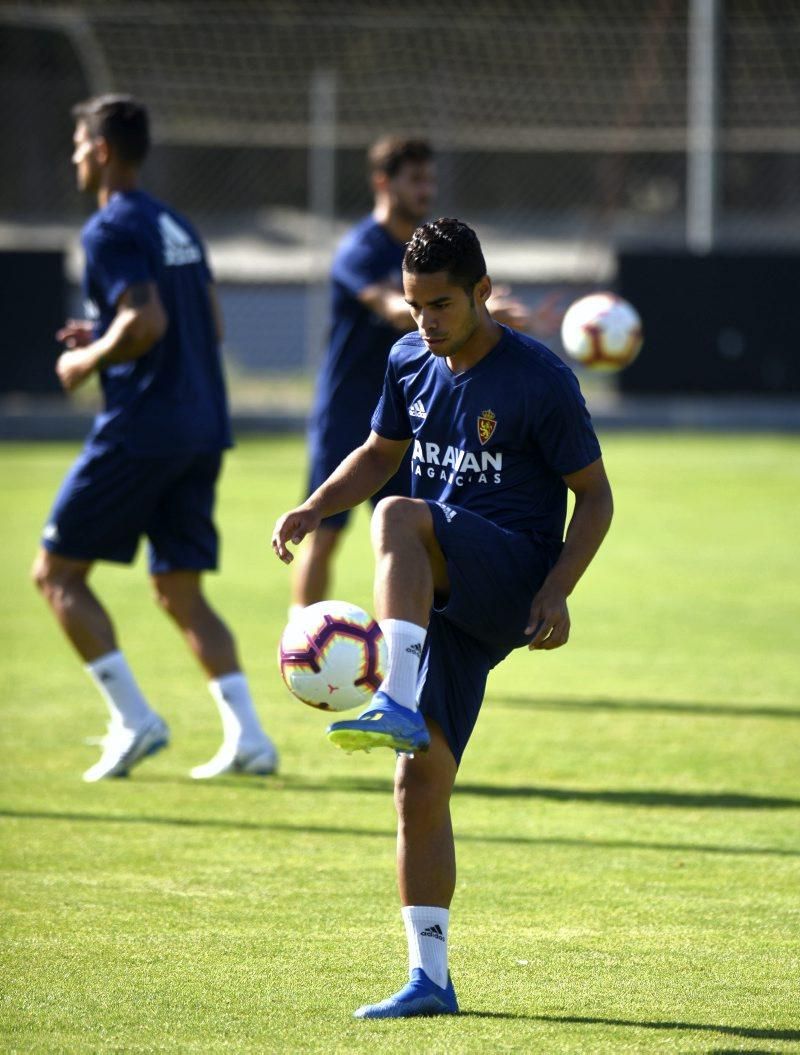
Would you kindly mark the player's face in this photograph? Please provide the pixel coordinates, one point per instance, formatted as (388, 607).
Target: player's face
(84, 158)
(446, 314)
(412, 191)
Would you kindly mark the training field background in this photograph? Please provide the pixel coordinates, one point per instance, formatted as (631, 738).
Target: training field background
(626, 815)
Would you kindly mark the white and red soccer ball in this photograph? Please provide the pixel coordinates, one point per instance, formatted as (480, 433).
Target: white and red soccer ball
(602, 331)
(332, 655)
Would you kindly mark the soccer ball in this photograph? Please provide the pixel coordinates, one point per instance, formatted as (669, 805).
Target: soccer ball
(332, 656)
(602, 331)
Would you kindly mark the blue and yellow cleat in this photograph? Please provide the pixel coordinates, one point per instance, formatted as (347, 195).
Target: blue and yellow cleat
(384, 724)
(420, 997)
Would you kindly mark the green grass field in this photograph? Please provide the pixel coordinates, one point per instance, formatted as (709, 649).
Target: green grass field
(627, 814)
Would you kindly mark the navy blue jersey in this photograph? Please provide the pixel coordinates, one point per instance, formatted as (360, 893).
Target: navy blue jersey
(496, 439)
(172, 399)
(351, 375)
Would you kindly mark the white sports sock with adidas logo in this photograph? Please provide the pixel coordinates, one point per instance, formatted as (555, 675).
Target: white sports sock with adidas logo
(240, 725)
(404, 643)
(426, 930)
(125, 701)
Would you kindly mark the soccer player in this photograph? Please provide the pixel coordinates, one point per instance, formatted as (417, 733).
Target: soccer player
(368, 314)
(151, 461)
(473, 565)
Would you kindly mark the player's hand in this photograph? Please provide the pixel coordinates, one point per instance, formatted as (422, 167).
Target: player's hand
(548, 624)
(75, 333)
(73, 368)
(292, 527)
(507, 309)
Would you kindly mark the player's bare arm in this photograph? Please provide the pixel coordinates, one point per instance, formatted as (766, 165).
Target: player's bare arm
(505, 308)
(549, 621)
(359, 476)
(388, 302)
(543, 321)
(140, 322)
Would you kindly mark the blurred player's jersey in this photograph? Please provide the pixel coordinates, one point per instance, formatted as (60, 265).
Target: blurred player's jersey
(496, 439)
(172, 399)
(351, 375)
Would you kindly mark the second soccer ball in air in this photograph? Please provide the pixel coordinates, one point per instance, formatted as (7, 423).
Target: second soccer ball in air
(602, 331)
(332, 656)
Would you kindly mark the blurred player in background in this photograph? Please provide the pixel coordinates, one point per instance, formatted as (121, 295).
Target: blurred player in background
(368, 314)
(150, 464)
(470, 567)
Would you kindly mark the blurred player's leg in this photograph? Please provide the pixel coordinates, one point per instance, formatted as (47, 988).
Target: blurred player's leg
(63, 584)
(135, 730)
(246, 748)
(312, 576)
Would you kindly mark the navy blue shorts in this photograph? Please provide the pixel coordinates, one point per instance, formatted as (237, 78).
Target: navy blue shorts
(494, 575)
(109, 500)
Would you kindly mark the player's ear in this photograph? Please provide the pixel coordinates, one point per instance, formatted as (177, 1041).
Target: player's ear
(380, 182)
(483, 289)
(102, 151)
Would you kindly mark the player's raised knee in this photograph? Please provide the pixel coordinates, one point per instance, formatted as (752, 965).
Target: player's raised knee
(397, 513)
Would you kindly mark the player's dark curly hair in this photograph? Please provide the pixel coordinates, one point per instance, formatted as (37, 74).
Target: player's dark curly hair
(119, 119)
(446, 245)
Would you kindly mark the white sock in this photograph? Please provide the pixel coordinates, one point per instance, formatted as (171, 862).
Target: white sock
(240, 724)
(426, 930)
(294, 611)
(404, 643)
(124, 699)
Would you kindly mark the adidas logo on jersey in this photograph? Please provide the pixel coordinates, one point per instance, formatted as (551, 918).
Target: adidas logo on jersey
(178, 245)
(417, 409)
(448, 512)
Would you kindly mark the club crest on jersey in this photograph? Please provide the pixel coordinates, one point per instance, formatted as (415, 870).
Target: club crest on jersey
(487, 423)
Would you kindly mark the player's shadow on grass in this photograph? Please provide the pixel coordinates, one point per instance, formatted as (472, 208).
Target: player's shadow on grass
(749, 1033)
(713, 710)
(237, 824)
(690, 800)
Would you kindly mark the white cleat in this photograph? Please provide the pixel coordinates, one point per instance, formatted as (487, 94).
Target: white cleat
(124, 748)
(259, 761)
